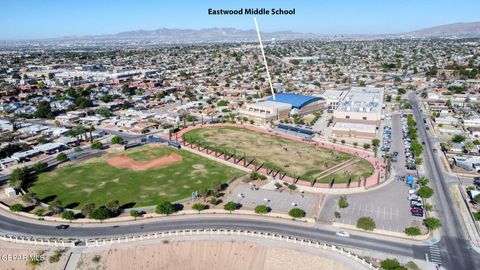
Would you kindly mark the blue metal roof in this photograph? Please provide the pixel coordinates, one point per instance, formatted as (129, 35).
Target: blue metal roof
(296, 100)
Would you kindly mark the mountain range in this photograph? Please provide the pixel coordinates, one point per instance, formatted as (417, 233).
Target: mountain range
(455, 30)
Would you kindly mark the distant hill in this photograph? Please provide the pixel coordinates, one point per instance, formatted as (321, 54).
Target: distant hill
(202, 35)
(471, 29)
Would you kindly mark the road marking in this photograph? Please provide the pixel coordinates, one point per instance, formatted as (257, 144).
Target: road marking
(384, 212)
(378, 212)
(391, 213)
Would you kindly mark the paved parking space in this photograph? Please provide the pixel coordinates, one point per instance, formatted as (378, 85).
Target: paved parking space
(388, 206)
(276, 200)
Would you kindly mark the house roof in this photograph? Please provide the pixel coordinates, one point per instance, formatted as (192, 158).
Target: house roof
(296, 100)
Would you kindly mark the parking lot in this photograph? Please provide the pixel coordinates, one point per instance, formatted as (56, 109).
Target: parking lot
(278, 201)
(387, 206)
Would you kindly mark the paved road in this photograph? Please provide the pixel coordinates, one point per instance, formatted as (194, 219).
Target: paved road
(16, 227)
(455, 248)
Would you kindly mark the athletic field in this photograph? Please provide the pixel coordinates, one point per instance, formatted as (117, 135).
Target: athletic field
(293, 157)
(137, 177)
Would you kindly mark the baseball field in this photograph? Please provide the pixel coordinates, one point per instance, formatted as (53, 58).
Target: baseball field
(292, 157)
(137, 177)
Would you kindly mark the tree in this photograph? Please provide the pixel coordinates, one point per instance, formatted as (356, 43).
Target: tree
(457, 138)
(16, 207)
(44, 110)
(476, 199)
(165, 208)
(262, 209)
(18, 177)
(97, 145)
(425, 192)
(432, 223)
(87, 209)
(366, 223)
(342, 202)
(366, 146)
(355, 144)
(100, 213)
(40, 212)
(412, 231)
(375, 142)
(56, 206)
(292, 187)
(416, 148)
(62, 157)
(68, 215)
(418, 162)
(135, 214)
(39, 167)
(390, 264)
(117, 140)
(113, 206)
(296, 213)
(199, 207)
(423, 181)
(230, 206)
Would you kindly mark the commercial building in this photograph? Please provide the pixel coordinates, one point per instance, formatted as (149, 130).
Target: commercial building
(333, 98)
(359, 113)
(283, 106)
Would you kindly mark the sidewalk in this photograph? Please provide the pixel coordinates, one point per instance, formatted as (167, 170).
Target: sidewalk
(470, 226)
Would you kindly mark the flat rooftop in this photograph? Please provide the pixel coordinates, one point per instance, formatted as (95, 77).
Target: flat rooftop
(362, 99)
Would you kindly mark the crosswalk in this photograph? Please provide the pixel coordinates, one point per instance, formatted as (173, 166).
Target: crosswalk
(434, 254)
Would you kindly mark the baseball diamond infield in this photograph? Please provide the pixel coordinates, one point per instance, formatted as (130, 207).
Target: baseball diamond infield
(138, 177)
(307, 161)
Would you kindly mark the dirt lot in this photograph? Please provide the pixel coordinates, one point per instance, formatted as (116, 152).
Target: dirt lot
(207, 255)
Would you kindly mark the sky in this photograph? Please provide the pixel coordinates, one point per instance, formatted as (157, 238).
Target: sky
(35, 19)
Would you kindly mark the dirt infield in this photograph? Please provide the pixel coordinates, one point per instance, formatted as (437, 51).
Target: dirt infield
(125, 162)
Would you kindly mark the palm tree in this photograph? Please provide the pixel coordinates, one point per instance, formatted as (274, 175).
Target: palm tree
(447, 146)
(418, 162)
(90, 130)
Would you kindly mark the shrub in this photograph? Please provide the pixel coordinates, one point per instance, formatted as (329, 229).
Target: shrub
(425, 192)
(389, 264)
(262, 209)
(366, 223)
(117, 140)
(135, 214)
(87, 209)
(62, 157)
(412, 231)
(97, 145)
(476, 199)
(296, 213)
(55, 257)
(16, 207)
(40, 212)
(100, 213)
(96, 258)
(476, 215)
(342, 202)
(337, 214)
(165, 208)
(199, 207)
(230, 206)
(432, 223)
(68, 215)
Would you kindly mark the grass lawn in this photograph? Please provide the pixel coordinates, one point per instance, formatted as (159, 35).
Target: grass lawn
(292, 157)
(95, 181)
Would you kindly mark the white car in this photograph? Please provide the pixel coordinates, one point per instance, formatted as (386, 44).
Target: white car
(343, 234)
(412, 191)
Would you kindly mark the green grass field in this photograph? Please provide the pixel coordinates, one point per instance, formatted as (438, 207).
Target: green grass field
(293, 157)
(95, 181)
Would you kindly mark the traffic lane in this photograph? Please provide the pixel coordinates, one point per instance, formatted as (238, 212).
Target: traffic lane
(456, 251)
(27, 229)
